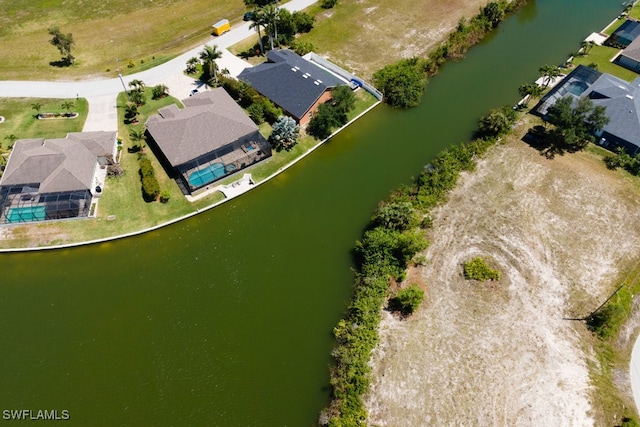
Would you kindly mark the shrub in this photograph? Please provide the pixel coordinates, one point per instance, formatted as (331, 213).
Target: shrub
(328, 4)
(408, 300)
(150, 188)
(477, 269)
(398, 215)
(146, 168)
(165, 195)
(256, 112)
(302, 48)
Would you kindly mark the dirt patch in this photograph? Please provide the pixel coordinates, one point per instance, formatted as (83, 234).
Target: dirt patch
(500, 353)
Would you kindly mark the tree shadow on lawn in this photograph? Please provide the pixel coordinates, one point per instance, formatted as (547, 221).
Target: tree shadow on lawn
(60, 63)
(547, 143)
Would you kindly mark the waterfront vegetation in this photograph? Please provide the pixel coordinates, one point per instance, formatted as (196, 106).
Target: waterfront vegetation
(391, 243)
(385, 250)
(403, 83)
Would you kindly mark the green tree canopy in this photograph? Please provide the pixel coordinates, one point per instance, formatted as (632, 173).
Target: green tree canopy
(577, 125)
(324, 121)
(498, 122)
(408, 300)
(402, 83)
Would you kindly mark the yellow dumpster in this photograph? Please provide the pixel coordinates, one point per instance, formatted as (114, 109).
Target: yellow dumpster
(221, 27)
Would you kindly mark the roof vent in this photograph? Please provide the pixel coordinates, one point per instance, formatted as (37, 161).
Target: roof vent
(630, 96)
(293, 69)
(297, 68)
(316, 83)
(306, 75)
(319, 81)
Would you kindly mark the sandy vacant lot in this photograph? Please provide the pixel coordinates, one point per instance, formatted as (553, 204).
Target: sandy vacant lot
(366, 35)
(500, 353)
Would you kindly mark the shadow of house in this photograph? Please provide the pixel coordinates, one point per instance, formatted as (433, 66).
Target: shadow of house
(292, 83)
(47, 179)
(209, 139)
(620, 98)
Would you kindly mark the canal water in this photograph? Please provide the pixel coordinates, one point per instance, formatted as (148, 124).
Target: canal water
(225, 319)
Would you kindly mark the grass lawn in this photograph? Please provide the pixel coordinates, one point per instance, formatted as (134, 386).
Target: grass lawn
(123, 195)
(122, 199)
(602, 56)
(21, 121)
(634, 13)
(107, 34)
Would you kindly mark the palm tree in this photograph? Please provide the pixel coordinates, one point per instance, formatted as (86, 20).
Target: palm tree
(528, 91)
(191, 65)
(137, 85)
(37, 106)
(159, 91)
(549, 72)
(67, 105)
(257, 20)
(137, 135)
(208, 57)
(271, 17)
(11, 138)
(131, 111)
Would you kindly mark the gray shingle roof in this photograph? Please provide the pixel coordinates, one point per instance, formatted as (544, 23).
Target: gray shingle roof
(633, 50)
(620, 98)
(58, 165)
(290, 81)
(210, 120)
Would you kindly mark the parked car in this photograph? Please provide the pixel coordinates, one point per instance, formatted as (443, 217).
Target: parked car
(248, 16)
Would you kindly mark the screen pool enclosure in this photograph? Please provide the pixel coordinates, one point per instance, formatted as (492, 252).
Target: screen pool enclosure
(23, 203)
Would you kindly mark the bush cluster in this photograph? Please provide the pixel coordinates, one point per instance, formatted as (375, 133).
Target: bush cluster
(478, 269)
(408, 300)
(259, 108)
(623, 160)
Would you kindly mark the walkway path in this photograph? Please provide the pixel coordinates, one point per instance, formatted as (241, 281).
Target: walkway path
(101, 94)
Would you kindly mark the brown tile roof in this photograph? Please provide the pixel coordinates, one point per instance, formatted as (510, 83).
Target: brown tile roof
(62, 164)
(209, 121)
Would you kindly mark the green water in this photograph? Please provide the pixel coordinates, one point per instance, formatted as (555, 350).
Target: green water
(226, 319)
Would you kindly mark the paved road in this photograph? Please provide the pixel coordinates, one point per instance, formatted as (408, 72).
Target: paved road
(101, 94)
